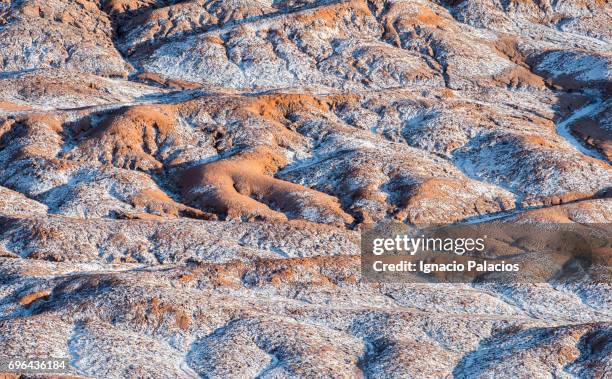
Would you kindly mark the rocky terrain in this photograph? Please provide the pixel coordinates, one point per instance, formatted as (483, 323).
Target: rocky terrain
(182, 183)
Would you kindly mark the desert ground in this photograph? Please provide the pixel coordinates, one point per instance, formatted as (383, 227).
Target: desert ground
(183, 183)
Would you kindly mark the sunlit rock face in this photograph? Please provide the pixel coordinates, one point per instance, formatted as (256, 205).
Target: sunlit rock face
(182, 183)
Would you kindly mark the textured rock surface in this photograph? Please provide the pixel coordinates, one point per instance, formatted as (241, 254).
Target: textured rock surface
(182, 182)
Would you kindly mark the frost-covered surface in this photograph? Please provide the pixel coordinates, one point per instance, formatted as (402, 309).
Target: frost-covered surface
(182, 182)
